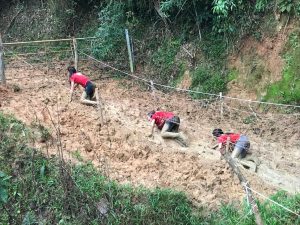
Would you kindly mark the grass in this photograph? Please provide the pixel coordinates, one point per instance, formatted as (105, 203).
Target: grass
(39, 190)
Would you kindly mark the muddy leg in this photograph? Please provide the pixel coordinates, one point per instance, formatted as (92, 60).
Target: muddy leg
(85, 101)
(179, 137)
(166, 134)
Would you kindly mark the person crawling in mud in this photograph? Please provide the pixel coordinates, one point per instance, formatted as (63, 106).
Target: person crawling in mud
(240, 143)
(76, 79)
(168, 123)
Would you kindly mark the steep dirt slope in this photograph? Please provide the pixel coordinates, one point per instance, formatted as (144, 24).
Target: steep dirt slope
(121, 149)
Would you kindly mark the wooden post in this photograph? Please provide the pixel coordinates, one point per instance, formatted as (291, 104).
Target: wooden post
(129, 50)
(46, 55)
(221, 107)
(2, 70)
(153, 90)
(75, 53)
(244, 183)
(99, 106)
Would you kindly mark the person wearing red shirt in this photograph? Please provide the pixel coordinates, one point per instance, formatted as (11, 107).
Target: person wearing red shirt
(168, 123)
(76, 79)
(240, 142)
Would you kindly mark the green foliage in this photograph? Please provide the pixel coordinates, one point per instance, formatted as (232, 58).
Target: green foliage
(111, 32)
(207, 80)
(270, 212)
(285, 6)
(215, 50)
(276, 215)
(167, 7)
(261, 5)
(3, 187)
(135, 206)
(232, 75)
(223, 7)
(163, 60)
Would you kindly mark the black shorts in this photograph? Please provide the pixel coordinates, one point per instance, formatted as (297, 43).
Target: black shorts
(90, 89)
(173, 124)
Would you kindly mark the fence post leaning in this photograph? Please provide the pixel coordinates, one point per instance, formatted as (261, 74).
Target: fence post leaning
(2, 70)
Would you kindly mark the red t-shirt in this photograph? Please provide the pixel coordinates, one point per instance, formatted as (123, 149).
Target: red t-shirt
(161, 117)
(233, 138)
(79, 78)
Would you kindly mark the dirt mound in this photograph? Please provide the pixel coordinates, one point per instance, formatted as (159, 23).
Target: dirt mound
(121, 150)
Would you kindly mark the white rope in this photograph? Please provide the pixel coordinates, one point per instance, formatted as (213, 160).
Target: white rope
(271, 200)
(36, 53)
(43, 41)
(147, 81)
(267, 103)
(188, 90)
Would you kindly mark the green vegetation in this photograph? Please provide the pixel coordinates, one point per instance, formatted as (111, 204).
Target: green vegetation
(207, 80)
(164, 62)
(232, 75)
(111, 32)
(287, 90)
(39, 190)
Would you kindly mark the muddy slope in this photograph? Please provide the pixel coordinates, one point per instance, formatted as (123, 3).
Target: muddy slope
(121, 149)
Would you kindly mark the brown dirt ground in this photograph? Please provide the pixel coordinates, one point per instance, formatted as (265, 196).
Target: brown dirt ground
(122, 151)
(252, 54)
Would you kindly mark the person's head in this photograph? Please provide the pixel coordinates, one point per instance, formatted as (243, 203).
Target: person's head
(71, 70)
(217, 132)
(150, 114)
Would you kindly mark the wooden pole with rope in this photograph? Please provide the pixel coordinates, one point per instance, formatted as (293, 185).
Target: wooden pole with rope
(244, 183)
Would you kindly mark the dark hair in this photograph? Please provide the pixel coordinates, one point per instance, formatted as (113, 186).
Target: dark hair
(217, 132)
(150, 114)
(71, 70)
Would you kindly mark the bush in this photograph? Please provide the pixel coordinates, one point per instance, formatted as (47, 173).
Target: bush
(206, 80)
(111, 43)
(163, 61)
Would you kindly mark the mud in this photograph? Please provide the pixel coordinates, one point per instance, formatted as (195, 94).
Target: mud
(121, 149)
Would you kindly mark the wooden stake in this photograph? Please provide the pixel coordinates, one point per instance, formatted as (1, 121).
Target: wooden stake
(75, 53)
(2, 65)
(244, 183)
(221, 107)
(129, 50)
(99, 106)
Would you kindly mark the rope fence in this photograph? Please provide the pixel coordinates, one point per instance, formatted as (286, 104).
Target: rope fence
(149, 82)
(47, 41)
(274, 202)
